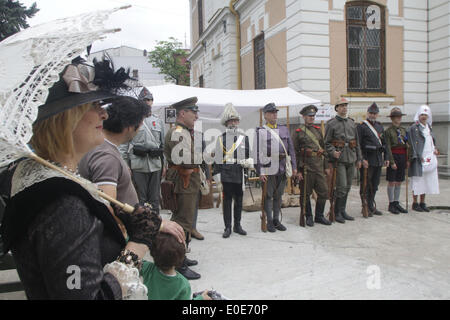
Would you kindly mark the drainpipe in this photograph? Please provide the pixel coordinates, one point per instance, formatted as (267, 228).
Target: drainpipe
(238, 42)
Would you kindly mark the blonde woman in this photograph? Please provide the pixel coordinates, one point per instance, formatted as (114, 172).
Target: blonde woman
(65, 240)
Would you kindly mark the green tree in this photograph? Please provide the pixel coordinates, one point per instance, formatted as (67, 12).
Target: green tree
(13, 17)
(171, 59)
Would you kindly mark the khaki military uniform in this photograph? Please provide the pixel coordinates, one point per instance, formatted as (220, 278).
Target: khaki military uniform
(184, 172)
(341, 135)
(310, 153)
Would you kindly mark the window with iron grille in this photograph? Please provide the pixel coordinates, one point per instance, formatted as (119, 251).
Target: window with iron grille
(200, 17)
(365, 48)
(260, 63)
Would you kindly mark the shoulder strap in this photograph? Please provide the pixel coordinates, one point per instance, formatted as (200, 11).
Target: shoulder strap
(312, 137)
(375, 133)
(273, 133)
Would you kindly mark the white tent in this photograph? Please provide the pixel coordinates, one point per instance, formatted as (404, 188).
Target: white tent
(212, 101)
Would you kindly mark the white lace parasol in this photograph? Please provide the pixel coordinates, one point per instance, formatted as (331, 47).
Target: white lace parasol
(30, 63)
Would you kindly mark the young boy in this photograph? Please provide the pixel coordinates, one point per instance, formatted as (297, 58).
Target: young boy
(396, 145)
(164, 282)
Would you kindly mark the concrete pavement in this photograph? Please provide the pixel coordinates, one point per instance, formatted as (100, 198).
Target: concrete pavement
(402, 256)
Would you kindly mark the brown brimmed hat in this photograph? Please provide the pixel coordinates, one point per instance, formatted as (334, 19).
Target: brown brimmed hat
(396, 112)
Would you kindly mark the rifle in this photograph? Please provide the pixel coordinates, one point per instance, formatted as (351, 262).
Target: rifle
(365, 205)
(331, 214)
(303, 208)
(263, 212)
(407, 175)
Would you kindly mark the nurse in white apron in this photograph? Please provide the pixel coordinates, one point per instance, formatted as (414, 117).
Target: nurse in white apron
(428, 183)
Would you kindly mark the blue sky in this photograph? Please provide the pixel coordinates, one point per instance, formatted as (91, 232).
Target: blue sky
(146, 22)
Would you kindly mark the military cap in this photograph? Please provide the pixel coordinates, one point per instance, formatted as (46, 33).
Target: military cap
(310, 110)
(145, 95)
(396, 112)
(340, 101)
(373, 108)
(187, 104)
(270, 108)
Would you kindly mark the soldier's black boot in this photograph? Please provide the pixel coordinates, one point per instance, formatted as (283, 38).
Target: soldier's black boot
(237, 217)
(188, 273)
(337, 211)
(226, 233)
(399, 207)
(374, 210)
(270, 226)
(309, 217)
(344, 214)
(277, 224)
(319, 217)
(393, 208)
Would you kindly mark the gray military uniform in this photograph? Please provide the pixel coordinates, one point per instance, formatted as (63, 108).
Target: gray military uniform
(147, 168)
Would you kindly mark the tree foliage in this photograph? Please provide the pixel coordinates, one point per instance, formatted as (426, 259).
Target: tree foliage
(13, 17)
(171, 59)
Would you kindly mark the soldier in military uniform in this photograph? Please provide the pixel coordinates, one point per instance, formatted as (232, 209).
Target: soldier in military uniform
(342, 146)
(371, 141)
(310, 152)
(397, 151)
(232, 158)
(270, 157)
(184, 171)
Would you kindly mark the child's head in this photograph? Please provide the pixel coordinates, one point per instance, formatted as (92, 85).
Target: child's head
(167, 252)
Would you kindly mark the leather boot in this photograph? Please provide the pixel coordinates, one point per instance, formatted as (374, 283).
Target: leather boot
(393, 208)
(337, 211)
(319, 217)
(238, 229)
(227, 233)
(270, 226)
(309, 217)
(344, 214)
(277, 224)
(190, 262)
(416, 207)
(399, 207)
(188, 273)
(424, 207)
(237, 217)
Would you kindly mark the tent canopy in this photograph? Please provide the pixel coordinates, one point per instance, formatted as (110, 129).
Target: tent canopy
(212, 101)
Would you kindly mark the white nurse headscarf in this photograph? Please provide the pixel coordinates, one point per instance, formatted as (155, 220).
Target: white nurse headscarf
(424, 110)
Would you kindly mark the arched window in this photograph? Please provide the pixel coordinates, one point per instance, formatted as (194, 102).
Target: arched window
(365, 47)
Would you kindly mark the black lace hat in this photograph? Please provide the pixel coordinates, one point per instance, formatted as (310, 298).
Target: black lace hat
(81, 83)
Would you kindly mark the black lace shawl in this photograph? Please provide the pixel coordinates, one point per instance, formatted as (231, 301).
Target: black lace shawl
(55, 225)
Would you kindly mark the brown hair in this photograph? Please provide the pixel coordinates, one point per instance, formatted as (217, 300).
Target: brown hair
(54, 136)
(167, 252)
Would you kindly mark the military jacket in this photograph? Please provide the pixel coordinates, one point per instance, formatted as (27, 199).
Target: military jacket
(180, 150)
(265, 157)
(372, 147)
(342, 129)
(395, 137)
(228, 155)
(315, 159)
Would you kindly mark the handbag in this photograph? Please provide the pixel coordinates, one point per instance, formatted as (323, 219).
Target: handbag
(289, 171)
